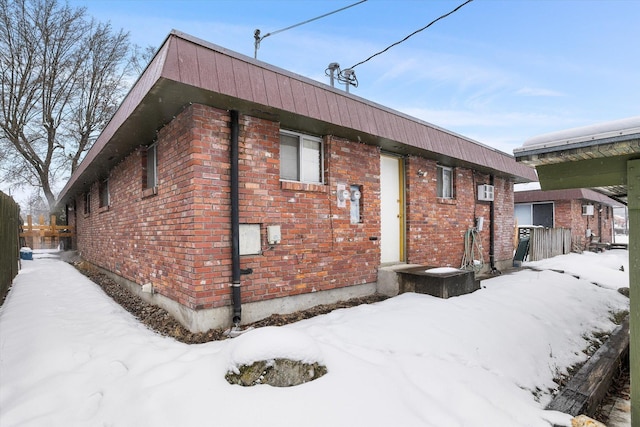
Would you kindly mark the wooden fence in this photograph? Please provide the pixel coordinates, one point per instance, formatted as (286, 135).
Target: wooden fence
(546, 242)
(45, 236)
(9, 242)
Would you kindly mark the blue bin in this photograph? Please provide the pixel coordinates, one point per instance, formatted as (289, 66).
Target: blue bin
(26, 254)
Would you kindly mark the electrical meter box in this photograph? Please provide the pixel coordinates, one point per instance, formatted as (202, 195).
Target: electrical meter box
(274, 234)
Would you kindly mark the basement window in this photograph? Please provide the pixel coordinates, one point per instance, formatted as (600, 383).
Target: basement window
(445, 182)
(301, 157)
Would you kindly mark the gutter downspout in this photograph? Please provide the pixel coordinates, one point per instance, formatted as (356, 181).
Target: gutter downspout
(235, 219)
(492, 234)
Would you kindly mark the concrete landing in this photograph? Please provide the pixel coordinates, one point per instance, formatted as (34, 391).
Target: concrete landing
(441, 282)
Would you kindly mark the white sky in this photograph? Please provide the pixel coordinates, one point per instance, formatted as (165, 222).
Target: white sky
(70, 356)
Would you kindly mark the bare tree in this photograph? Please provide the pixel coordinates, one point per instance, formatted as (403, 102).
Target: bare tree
(63, 76)
(141, 57)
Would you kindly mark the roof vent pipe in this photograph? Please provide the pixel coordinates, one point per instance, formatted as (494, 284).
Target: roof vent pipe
(235, 220)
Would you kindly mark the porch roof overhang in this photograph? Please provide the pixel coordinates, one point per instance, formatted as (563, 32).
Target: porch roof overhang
(588, 157)
(188, 70)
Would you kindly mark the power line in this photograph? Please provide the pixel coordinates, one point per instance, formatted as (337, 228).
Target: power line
(258, 39)
(412, 34)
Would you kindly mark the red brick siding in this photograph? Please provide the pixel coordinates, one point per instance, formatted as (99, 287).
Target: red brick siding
(179, 239)
(154, 239)
(320, 249)
(436, 227)
(568, 214)
(504, 219)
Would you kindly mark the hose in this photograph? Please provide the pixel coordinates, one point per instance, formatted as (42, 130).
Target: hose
(472, 258)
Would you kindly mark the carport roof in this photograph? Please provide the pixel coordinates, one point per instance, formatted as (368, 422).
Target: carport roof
(188, 70)
(587, 157)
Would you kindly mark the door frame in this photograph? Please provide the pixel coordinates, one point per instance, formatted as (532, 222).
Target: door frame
(402, 223)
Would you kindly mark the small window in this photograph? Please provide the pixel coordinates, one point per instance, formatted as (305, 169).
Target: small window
(445, 182)
(301, 158)
(104, 193)
(151, 166)
(87, 203)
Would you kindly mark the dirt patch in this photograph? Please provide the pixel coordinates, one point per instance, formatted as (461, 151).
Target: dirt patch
(160, 321)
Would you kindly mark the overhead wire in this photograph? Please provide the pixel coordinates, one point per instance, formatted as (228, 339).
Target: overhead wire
(412, 34)
(258, 39)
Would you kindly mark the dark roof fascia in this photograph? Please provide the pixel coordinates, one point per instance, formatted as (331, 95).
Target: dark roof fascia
(519, 175)
(111, 146)
(534, 196)
(324, 86)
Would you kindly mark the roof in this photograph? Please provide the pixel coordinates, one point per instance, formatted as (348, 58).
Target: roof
(583, 136)
(593, 157)
(532, 196)
(189, 70)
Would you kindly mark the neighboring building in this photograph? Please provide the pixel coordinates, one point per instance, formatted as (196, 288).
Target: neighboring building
(587, 213)
(330, 186)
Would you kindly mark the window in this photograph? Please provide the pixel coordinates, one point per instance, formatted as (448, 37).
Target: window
(536, 214)
(87, 203)
(301, 157)
(445, 182)
(104, 193)
(151, 166)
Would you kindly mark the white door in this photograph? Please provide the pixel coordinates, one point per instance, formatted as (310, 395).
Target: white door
(391, 209)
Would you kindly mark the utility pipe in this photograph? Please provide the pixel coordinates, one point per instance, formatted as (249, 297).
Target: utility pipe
(235, 220)
(492, 231)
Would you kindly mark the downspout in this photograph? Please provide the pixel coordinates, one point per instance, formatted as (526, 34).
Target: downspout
(235, 220)
(492, 233)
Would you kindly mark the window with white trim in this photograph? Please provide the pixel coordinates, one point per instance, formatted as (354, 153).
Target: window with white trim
(301, 157)
(445, 182)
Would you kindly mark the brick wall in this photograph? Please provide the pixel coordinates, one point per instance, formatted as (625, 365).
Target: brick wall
(178, 237)
(436, 227)
(568, 214)
(152, 239)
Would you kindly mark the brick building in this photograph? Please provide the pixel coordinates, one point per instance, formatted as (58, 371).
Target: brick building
(587, 213)
(220, 176)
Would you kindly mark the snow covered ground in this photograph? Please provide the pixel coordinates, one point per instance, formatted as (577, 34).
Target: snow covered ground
(70, 356)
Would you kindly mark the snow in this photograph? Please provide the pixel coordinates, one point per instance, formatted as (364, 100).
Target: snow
(70, 356)
(608, 269)
(526, 186)
(611, 129)
(272, 342)
(443, 270)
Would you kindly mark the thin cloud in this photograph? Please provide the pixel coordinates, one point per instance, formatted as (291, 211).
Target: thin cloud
(531, 91)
